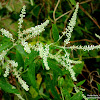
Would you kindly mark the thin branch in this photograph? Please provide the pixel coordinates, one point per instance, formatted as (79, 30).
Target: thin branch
(85, 1)
(89, 16)
(55, 11)
(63, 15)
(83, 40)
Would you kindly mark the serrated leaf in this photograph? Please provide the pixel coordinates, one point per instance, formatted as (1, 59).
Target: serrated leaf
(55, 32)
(73, 2)
(77, 96)
(6, 86)
(80, 83)
(21, 50)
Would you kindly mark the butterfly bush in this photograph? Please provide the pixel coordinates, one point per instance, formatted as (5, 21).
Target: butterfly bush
(44, 50)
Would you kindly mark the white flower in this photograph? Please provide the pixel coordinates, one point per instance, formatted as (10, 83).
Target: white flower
(77, 90)
(3, 53)
(23, 83)
(26, 46)
(22, 15)
(45, 55)
(7, 34)
(35, 30)
(13, 63)
(97, 35)
(19, 96)
(71, 25)
(7, 71)
(86, 47)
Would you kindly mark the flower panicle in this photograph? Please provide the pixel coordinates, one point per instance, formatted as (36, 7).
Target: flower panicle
(22, 15)
(12, 66)
(86, 47)
(71, 25)
(98, 36)
(7, 34)
(35, 30)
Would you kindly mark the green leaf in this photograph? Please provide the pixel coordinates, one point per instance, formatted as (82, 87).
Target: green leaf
(31, 74)
(77, 96)
(53, 65)
(19, 59)
(33, 92)
(61, 81)
(5, 45)
(55, 32)
(6, 86)
(80, 83)
(98, 85)
(54, 91)
(66, 94)
(21, 50)
(78, 68)
(0, 71)
(36, 10)
(68, 83)
(73, 2)
(31, 56)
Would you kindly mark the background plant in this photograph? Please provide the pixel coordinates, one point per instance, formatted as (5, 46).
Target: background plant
(62, 84)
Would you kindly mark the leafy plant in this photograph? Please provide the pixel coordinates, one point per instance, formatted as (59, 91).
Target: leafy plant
(28, 81)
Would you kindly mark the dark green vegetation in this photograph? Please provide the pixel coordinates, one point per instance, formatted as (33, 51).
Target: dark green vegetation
(55, 84)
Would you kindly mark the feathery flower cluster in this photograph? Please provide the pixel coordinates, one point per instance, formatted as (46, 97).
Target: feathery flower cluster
(22, 82)
(45, 55)
(7, 34)
(66, 62)
(26, 46)
(43, 52)
(35, 31)
(19, 96)
(71, 25)
(72, 72)
(86, 47)
(77, 90)
(11, 65)
(3, 53)
(97, 36)
(22, 15)
(7, 71)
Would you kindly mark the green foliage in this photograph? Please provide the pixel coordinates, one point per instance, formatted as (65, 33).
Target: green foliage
(80, 83)
(77, 96)
(7, 87)
(55, 32)
(56, 83)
